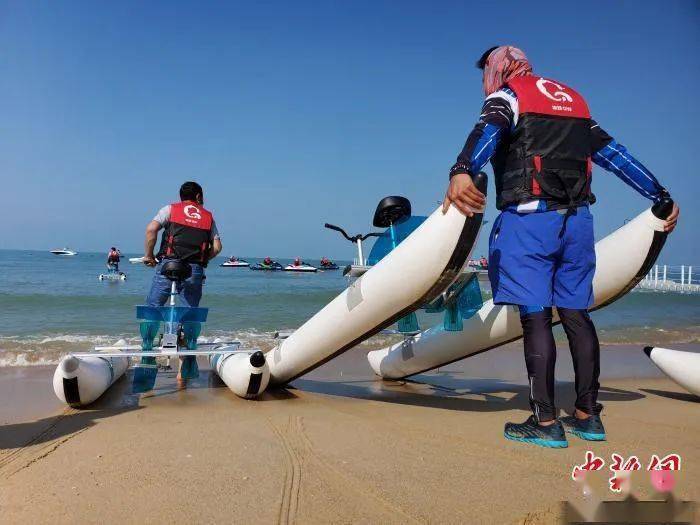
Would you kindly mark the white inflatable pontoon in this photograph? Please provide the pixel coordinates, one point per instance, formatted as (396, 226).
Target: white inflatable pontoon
(681, 367)
(79, 381)
(414, 273)
(245, 373)
(623, 259)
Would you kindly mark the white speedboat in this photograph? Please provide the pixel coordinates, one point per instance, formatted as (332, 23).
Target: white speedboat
(302, 268)
(136, 260)
(64, 252)
(235, 263)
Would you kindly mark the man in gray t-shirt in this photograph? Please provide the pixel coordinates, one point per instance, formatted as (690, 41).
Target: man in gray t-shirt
(190, 235)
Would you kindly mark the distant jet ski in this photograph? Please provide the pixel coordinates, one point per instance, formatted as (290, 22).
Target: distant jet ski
(65, 252)
(301, 267)
(235, 262)
(136, 260)
(681, 367)
(327, 264)
(274, 266)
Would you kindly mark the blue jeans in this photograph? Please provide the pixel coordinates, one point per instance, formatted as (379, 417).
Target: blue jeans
(190, 290)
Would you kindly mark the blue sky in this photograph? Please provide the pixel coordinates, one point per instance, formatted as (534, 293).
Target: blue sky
(292, 114)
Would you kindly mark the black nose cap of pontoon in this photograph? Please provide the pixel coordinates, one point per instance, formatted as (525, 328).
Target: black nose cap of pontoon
(647, 350)
(257, 359)
(481, 181)
(663, 208)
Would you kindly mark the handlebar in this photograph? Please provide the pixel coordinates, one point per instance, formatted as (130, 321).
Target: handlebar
(339, 229)
(354, 238)
(663, 208)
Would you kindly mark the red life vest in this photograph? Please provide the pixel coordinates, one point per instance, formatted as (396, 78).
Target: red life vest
(548, 153)
(187, 235)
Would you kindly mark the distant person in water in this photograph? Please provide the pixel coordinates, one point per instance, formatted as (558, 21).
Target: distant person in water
(113, 258)
(189, 235)
(542, 142)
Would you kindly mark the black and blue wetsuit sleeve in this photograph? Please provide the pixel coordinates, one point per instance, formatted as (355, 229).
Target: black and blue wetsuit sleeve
(612, 156)
(495, 120)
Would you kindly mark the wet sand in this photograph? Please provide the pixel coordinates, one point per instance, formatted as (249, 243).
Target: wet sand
(338, 446)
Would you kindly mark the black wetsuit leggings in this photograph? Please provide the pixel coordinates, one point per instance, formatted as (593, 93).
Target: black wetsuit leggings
(541, 356)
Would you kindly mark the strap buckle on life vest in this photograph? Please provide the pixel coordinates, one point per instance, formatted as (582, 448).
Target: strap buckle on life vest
(536, 189)
(589, 174)
(169, 250)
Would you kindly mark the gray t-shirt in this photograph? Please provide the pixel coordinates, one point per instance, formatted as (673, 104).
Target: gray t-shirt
(163, 218)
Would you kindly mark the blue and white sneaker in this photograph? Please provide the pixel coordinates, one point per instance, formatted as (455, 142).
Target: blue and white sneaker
(590, 429)
(551, 436)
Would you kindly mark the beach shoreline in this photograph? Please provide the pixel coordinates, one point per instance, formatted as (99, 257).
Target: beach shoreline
(337, 446)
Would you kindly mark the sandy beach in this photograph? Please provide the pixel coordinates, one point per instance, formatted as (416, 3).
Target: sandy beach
(337, 446)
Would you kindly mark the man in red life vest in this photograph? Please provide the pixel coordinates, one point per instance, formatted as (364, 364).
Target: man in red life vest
(541, 140)
(113, 258)
(190, 235)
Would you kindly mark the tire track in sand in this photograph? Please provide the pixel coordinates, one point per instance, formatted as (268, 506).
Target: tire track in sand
(341, 480)
(289, 498)
(28, 447)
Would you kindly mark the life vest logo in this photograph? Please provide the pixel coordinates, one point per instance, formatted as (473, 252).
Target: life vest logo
(558, 96)
(192, 212)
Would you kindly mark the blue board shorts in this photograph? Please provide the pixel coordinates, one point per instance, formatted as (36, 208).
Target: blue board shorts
(544, 258)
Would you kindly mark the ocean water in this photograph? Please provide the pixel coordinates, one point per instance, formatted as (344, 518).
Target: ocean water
(50, 305)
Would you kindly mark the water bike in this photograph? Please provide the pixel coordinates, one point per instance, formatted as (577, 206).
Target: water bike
(235, 263)
(136, 260)
(81, 377)
(274, 266)
(413, 261)
(301, 268)
(65, 252)
(623, 258)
